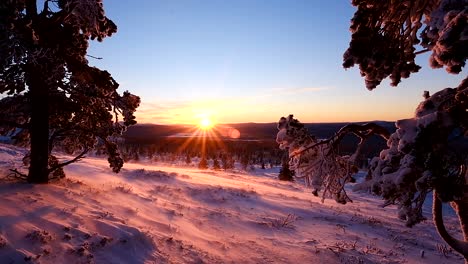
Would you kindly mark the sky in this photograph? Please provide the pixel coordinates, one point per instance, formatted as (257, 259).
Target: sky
(249, 61)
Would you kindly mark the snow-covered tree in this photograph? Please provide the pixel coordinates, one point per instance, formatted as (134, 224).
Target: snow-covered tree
(48, 88)
(244, 160)
(319, 161)
(203, 164)
(188, 160)
(216, 165)
(285, 174)
(386, 35)
(429, 151)
(227, 162)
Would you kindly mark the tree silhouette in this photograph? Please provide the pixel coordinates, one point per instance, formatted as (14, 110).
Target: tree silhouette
(216, 165)
(429, 151)
(244, 160)
(227, 161)
(50, 91)
(203, 164)
(188, 160)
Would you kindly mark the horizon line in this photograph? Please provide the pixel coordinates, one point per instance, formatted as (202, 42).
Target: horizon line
(273, 122)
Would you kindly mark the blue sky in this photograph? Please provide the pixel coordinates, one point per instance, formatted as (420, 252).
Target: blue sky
(248, 61)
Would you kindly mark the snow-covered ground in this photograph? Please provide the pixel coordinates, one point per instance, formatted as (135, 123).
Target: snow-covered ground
(164, 214)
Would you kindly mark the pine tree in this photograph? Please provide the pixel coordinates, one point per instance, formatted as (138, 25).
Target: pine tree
(385, 37)
(216, 164)
(227, 162)
(244, 161)
(428, 152)
(51, 91)
(285, 174)
(188, 160)
(203, 164)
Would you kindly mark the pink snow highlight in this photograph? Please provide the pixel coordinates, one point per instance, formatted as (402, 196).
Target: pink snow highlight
(167, 214)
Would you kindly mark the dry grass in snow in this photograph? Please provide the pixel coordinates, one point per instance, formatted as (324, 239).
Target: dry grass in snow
(157, 214)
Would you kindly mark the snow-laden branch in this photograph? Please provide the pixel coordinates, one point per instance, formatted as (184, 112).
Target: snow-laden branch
(318, 161)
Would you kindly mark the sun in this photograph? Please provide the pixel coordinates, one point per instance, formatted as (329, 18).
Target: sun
(205, 123)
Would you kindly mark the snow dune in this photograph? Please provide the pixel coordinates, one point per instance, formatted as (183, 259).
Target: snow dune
(164, 214)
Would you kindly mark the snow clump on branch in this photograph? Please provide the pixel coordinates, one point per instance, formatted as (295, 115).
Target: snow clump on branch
(424, 154)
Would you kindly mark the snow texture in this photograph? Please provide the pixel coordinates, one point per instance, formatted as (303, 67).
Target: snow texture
(154, 214)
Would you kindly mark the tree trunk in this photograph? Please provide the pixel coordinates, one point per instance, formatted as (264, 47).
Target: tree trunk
(39, 130)
(461, 207)
(39, 102)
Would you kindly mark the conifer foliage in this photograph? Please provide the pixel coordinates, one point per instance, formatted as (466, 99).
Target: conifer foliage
(216, 165)
(203, 164)
(385, 35)
(285, 174)
(427, 153)
(227, 162)
(49, 90)
(319, 162)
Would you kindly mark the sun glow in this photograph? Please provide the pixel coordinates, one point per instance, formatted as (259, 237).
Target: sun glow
(205, 123)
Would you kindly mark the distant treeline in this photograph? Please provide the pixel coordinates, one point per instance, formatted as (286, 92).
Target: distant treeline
(148, 133)
(256, 144)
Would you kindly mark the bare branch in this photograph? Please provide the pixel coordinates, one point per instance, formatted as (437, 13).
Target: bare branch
(19, 175)
(362, 131)
(77, 158)
(421, 51)
(91, 56)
